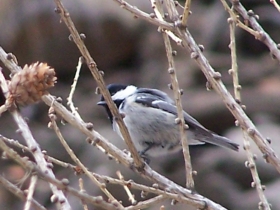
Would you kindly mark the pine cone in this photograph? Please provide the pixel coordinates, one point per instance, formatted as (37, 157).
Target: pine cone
(30, 84)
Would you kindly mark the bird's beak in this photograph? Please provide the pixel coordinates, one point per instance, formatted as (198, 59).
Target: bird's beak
(102, 103)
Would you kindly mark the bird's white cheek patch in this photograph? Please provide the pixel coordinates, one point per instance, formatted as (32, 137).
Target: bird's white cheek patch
(122, 94)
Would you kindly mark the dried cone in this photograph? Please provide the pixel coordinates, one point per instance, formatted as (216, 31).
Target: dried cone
(30, 84)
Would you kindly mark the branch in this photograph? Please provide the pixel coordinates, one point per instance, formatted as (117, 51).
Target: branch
(79, 163)
(246, 139)
(264, 37)
(177, 95)
(63, 185)
(186, 13)
(30, 193)
(98, 76)
(30, 141)
(19, 193)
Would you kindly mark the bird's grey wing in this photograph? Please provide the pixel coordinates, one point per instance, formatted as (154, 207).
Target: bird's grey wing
(199, 131)
(154, 94)
(155, 102)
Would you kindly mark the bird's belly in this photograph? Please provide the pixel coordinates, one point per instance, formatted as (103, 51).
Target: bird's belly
(156, 129)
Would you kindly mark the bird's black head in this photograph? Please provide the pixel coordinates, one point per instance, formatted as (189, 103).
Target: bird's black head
(118, 93)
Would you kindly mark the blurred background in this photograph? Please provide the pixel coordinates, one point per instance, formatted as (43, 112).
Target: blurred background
(131, 51)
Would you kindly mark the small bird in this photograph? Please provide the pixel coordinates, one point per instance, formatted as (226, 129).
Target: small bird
(149, 115)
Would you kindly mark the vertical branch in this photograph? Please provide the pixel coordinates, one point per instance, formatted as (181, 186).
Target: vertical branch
(237, 93)
(186, 13)
(82, 189)
(177, 95)
(73, 88)
(31, 190)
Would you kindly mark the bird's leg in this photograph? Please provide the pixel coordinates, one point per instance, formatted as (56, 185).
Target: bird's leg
(142, 153)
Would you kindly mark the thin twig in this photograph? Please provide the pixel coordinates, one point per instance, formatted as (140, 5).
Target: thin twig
(31, 190)
(138, 13)
(275, 4)
(253, 168)
(246, 139)
(32, 143)
(82, 189)
(98, 76)
(160, 17)
(263, 36)
(238, 22)
(186, 12)
(73, 88)
(147, 203)
(131, 197)
(79, 163)
(30, 166)
(19, 193)
(47, 157)
(177, 95)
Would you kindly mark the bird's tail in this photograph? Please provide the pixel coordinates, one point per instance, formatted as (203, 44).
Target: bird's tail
(222, 142)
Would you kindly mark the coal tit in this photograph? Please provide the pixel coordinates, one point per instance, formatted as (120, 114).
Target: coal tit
(149, 115)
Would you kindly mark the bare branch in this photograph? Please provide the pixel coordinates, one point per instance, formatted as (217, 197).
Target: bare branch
(246, 139)
(31, 142)
(30, 166)
(73, 87)
(264, 37)
(187, 10)
(147, 203)
(138, 13)
(275, 4)
(64, 14)
(80, 164)
(177, 95)
(19, 193)
(128, 192)
(82, 189)
(30, 193)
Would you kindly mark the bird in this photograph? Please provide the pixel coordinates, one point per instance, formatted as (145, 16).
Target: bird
(149, 115)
